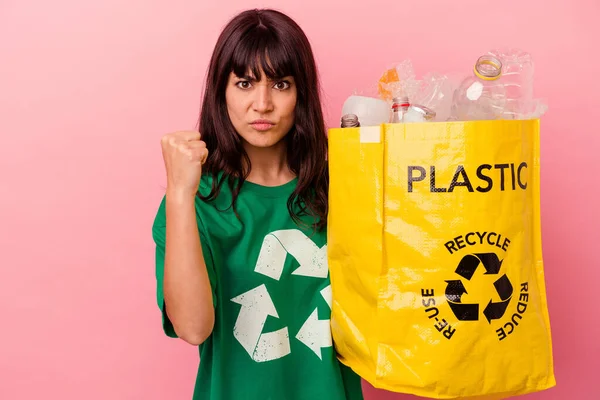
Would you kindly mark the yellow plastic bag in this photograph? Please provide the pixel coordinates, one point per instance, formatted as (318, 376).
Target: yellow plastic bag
(435, 255)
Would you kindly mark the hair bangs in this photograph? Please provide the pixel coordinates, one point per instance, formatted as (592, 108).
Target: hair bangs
(262, 51)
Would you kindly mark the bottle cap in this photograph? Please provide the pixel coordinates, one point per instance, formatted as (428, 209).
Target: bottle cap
(488, 68)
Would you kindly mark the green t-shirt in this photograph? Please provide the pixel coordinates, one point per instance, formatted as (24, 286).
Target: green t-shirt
(270, 283)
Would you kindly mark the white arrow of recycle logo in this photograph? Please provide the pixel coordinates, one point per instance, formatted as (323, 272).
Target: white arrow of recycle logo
(257, 304)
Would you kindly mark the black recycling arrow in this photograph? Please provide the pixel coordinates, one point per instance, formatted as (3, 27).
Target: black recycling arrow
(504, 287)
(465, 312)
(495, 310)
(467, 266)
(505, 290)
(455, 290)
(490, 262)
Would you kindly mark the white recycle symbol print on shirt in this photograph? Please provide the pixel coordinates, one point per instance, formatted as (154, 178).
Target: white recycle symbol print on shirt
(257, 304)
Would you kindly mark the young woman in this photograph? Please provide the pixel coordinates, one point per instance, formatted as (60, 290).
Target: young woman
(241, 255)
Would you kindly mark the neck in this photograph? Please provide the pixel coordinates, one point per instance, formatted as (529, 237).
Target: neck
(269, 165)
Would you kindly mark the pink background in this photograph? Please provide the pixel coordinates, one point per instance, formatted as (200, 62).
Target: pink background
(88, 88)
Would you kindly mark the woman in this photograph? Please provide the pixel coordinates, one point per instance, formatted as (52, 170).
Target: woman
(240, 236)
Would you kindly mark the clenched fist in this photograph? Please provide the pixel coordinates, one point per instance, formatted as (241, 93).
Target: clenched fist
(184, 153)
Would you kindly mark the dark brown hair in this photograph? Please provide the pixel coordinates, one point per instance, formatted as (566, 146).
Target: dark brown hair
(270, 41)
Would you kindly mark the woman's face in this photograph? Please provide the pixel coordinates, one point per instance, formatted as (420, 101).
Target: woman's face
(261, 112)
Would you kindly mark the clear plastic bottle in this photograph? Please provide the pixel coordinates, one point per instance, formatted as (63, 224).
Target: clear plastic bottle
(481, 96)
(399, 108)
(517, 79)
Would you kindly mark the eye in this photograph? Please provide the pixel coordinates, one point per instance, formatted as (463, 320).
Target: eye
(282, 85)
(244, 85)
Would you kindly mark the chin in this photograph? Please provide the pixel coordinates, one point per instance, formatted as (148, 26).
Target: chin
(262, 139)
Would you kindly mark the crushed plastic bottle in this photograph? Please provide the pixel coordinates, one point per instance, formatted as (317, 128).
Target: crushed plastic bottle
(481, 96)
(399, 81)
(435, 93)
(517, 79)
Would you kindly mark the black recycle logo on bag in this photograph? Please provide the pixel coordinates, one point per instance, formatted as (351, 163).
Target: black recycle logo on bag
(466, 269)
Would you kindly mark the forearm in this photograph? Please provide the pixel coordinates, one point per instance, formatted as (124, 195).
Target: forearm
(187, 290)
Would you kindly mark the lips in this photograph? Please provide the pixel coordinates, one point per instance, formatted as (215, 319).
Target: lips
(262, 125)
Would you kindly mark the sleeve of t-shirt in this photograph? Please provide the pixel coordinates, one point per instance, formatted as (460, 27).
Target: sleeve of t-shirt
(159, 236)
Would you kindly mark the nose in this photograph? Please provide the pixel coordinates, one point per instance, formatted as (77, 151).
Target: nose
(263, 101)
